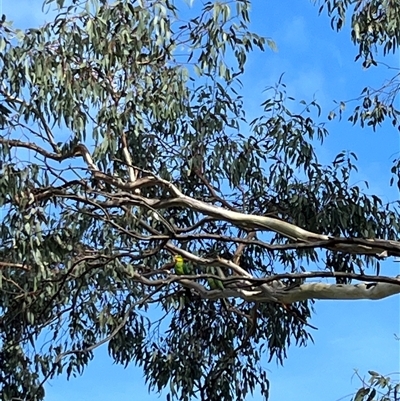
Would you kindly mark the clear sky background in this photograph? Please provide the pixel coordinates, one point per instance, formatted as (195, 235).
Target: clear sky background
(317, 62)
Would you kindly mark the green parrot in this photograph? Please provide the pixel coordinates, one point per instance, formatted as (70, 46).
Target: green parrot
(217, 284)
(181, 268)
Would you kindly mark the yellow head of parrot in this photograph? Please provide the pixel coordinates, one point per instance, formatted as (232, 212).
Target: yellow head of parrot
(178, 258)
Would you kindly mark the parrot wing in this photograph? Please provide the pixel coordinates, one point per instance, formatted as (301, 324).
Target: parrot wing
(187, 269)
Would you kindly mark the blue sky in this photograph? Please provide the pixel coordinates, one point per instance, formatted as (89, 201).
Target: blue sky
(317, 62)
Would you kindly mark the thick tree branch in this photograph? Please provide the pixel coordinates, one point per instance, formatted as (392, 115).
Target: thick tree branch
(381, 287)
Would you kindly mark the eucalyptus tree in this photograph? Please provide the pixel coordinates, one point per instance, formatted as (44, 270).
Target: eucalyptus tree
(123, 144)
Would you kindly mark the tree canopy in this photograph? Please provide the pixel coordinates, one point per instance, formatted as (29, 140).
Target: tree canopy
(124, 142)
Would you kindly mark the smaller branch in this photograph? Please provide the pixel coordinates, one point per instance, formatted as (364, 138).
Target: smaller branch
(132, 173)
(84, 152)
(240, 248)
(15, 143)
(197, 225)
(4, 265)
(213, 192)
(14, 99)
